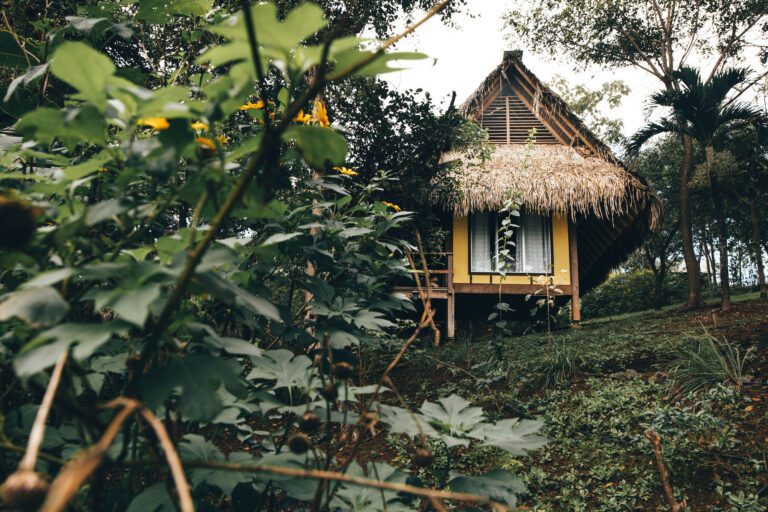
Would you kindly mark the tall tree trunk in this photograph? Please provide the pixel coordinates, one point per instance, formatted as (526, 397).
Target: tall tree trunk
(686, 227)
(757, 239)
(722, 231)
(705, 251)
(710, 242)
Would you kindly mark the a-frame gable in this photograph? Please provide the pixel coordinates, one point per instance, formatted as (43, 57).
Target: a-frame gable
(509, 118)
(532, 104)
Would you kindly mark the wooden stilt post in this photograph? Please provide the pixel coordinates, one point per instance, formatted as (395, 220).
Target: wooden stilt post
(574, 261)
(451, 301)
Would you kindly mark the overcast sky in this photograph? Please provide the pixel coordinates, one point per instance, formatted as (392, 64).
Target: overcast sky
(466, 53)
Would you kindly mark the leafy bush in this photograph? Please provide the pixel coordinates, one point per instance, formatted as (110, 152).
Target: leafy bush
(200, 273)
(631, 291)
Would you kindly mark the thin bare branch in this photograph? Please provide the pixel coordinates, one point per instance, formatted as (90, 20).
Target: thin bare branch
(37, 433)
(174, 463)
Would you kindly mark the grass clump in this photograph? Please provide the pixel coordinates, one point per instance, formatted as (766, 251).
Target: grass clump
(707, 361)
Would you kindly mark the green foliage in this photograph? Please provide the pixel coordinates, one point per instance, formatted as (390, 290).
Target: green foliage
(706, 362)
(632, 291)
(194, 249)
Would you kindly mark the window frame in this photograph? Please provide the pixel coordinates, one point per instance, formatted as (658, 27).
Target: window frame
(519, 246)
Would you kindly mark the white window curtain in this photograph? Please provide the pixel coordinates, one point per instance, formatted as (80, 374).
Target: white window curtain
(482, 243)
(537, 257)
(533, 243)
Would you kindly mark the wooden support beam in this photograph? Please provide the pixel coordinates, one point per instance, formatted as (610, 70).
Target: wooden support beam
(506, 289)
(451, 302)
(574, 261)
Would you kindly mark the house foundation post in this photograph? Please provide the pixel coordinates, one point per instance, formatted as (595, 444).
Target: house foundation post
(451, 301)
(574, 271)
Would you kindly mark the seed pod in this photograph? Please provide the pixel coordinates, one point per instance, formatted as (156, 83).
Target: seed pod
(423, 458)
(309, 422)
(299, 443)
(17, 223)
(24, 490)
(343, 370)
(329, 392)
(369, 419)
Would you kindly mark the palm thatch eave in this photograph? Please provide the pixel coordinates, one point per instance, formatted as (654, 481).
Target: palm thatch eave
(548, 179)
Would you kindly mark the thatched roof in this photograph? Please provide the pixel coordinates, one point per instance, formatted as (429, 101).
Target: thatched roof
(548, 178)
(613, 208)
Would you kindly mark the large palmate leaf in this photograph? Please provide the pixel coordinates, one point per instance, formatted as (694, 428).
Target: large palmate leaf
(36, 306)
(43, 351)
(360, 498)
(456, 422)
(512, 435)
(283, 367)
(165, 11)
(500, 486)
(455, 417)
(152, 499)
(197, 377)
(197, 448)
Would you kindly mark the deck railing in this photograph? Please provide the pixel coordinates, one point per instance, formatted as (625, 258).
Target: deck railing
(438, 276)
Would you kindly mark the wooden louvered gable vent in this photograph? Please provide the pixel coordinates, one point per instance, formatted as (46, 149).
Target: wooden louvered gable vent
(509, 121)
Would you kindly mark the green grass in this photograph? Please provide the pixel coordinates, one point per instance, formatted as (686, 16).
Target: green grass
(711, 302)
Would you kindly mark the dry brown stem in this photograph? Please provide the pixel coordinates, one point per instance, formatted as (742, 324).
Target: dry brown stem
(669, 494)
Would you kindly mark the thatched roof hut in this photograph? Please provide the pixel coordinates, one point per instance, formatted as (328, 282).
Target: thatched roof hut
(565, 170)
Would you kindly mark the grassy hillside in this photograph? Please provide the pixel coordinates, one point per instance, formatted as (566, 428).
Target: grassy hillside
(598, 389)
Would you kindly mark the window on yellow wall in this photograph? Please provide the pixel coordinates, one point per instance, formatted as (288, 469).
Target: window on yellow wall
(531, 249)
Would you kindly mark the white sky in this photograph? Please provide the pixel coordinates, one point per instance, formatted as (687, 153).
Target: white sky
(467, 52)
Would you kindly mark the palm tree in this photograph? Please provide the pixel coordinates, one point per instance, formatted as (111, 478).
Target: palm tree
(705, 112)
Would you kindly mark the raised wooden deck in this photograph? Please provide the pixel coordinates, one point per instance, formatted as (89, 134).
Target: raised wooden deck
(437, 284)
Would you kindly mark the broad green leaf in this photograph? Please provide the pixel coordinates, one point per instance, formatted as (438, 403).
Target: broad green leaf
(11, 56)
(234, 346)
(131, 304)
(45, 349)
(197, 448)
(197, 377)
(278, 238)
(285, 368)
(36, 306)
(48, 278)
(318, 145)
(43, 125)
(361, 498)
(32, 74)
(85, 69)
(231, 293)
(348, 59)
(512, 435)
(154, 498)
(300, 23)
(164, 11)
(499, 485)
(373, 320)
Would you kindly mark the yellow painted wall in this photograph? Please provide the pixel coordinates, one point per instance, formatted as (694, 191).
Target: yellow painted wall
(560, 252)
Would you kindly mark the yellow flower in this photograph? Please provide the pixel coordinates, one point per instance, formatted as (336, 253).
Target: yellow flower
(206, 143)
(392, 205)
(320, 114)
(223, 140)
(199, 125)
(253, 106)
(345, 170)
(157, 123)
(301, 117)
